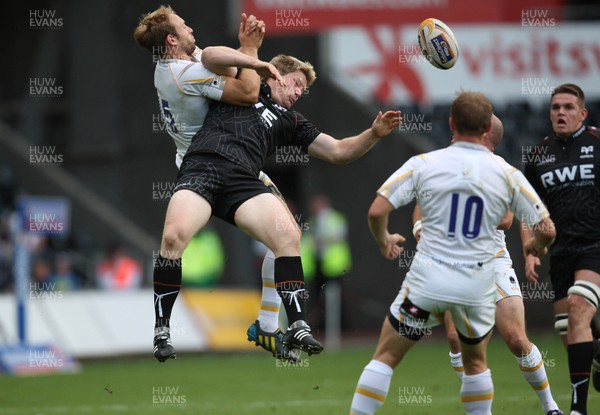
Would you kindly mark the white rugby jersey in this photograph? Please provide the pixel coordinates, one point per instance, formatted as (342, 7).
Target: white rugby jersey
(184, 89)
(502, 256)
(463, 191)
(501, 251)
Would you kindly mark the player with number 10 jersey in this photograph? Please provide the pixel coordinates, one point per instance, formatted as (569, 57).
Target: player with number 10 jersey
(483, 188)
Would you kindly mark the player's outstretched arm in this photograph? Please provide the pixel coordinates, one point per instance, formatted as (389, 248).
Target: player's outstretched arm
(347, 150)
(543, 234)
(245, 89)
(378, 218)
(530, 261)
(537, 229)
(218, 59)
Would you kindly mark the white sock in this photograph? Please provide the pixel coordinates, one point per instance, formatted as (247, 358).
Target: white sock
(457, 364)
(477, 393)
(270, 302)
(372, 388)
(534, 372)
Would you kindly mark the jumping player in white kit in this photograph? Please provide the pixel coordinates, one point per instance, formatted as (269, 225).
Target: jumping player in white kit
(464, 192)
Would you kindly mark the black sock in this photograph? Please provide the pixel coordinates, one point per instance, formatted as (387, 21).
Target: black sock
(167, 283)
(580, 362)
(289, 280)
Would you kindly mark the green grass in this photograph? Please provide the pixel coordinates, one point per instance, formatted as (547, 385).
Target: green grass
(248, 384)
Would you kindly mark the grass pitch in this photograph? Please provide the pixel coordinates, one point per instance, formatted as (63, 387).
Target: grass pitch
(255, 383)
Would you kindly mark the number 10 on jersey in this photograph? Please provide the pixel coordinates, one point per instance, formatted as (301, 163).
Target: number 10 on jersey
(469, 212)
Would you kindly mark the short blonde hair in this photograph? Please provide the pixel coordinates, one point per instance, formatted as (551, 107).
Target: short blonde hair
(153, 29)
(286, 64)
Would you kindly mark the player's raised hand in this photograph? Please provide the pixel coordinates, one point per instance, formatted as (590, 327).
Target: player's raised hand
(530, 263)
(533, 247)
(389, 246)
(385, 123)
(251, 32)
(268, 70)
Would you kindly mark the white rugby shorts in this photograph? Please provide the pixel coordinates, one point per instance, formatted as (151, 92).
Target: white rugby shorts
(437, 287)
(507, 283)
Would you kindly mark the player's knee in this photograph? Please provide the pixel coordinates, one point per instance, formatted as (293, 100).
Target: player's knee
(389, 356)
(577, 304)
(474, 360)
(173, 243)
(287, 243)
(474, 366)
(518, 343)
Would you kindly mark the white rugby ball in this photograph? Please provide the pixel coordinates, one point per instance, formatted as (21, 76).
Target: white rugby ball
(438, 43)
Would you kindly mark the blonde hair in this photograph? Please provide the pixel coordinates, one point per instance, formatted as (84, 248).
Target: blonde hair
(286, 64)
(153, 29)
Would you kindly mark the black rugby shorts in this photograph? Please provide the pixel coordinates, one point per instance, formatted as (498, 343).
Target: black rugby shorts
(562, 269)
(224, 184)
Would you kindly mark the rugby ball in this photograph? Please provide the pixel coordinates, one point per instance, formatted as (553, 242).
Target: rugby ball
(438, 44)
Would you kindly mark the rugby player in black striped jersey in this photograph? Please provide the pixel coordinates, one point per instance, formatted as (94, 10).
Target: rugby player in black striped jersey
(564, 170)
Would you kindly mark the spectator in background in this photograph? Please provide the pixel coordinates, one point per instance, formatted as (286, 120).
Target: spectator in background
(41, 274)
(64, 277)
(119, 271)
(203, 260)
(328, 230)
(6, 254)
(8, 190)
